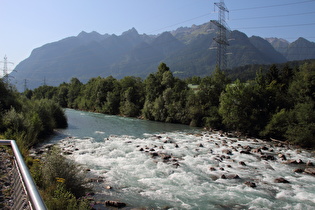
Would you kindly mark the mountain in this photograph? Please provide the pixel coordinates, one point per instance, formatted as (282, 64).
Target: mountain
(269, 52)
(188, 51)
(301, 49)
(281, 45)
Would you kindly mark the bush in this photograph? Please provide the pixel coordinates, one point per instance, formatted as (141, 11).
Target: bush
(56, 166)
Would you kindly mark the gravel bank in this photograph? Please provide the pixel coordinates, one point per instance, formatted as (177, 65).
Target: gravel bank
(6, 178)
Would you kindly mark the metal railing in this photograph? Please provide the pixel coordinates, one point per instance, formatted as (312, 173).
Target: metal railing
(25, 193)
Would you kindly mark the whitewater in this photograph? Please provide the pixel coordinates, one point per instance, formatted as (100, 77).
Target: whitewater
(185, 168)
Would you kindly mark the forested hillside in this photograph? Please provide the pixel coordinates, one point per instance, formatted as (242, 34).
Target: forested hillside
(278, 103)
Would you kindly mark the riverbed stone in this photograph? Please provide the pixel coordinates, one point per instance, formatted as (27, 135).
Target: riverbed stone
(281, 180)
(245, 152)
(115, 204)
(264, 148)
(267, 157)
(298, 170)
(310, 171)
(233, 176)
(250, 184)
(282, 156)
(242, 163)
(227, 151)
(299, 161)
(256, 150)
(154, 154)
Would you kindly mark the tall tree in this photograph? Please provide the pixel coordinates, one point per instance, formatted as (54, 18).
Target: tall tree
(74, 92)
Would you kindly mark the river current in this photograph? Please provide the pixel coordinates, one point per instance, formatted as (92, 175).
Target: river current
(158, 165)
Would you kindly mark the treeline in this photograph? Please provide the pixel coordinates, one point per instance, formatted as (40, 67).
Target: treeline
(278, 103)
(248, 72)
(29, 122)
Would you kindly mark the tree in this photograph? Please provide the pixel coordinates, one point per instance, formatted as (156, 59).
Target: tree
(74, 92)
(273, 74)
(153, 93)
(209, 96)
(62, 95)
(301, 129)
(132, 96)
(242, 108)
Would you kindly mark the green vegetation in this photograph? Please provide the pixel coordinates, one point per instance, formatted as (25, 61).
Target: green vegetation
(277, 102)
(29, 122)
(60, 183)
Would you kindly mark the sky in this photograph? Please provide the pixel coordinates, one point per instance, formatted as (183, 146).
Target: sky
(29, 24)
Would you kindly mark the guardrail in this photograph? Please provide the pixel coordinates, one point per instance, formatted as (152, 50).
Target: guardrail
(25, 193)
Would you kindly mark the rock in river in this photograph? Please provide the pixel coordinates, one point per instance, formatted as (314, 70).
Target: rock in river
(115, 204)
(281, 180)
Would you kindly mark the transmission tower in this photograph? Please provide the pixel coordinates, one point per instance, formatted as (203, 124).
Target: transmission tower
(221, 39)
(5, 74)
(25, 85)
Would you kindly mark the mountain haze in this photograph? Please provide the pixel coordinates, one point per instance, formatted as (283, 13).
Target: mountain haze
(188, 51)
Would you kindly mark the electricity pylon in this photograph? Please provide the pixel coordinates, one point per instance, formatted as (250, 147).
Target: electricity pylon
(221, 38)
(5, 75)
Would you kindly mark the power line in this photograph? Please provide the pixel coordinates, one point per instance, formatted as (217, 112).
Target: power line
(185, 21)
(274, 16)
(275, 5)
(277, 26)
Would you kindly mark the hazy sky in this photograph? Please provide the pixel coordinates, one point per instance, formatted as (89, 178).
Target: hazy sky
(29, 24)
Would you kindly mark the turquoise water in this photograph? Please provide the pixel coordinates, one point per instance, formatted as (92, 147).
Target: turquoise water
(158, 165)
(89, 124)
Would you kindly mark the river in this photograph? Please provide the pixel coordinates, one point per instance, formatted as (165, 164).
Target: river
(159, 165)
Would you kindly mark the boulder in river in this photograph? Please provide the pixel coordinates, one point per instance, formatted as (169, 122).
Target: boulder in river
(256, 150)
(245, 152)
(282, 156)
(267, 157)
(310, 171)
(116, 204)
(230, 176)
(264, 148)
(250, 184)
(281, 180)
(242, 163)
(298, 170)
(299, 161)
(226, 151)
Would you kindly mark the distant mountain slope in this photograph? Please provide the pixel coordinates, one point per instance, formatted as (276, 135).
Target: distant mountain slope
(188, 51)
(281, 45)
(301, 49)
(269, 52)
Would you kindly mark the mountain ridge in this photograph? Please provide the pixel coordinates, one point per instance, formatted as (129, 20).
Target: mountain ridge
(188, 51)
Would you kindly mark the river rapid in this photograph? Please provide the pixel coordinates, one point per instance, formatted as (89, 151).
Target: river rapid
(166, 166)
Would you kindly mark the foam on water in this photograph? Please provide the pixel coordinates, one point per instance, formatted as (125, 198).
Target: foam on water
(173, 169)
